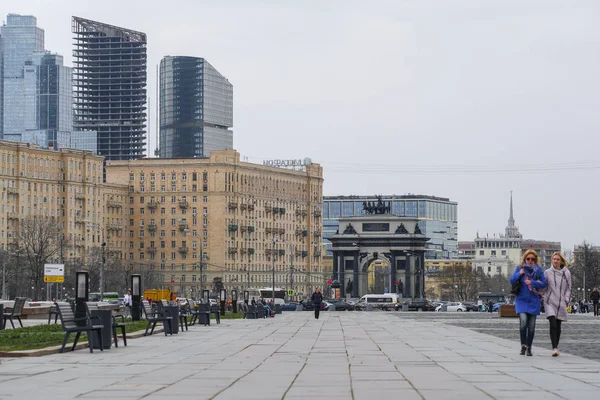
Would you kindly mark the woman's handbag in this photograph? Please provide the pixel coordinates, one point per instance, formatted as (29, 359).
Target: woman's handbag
(516, 287)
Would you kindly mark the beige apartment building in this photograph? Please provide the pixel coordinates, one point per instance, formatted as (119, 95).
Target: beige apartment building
(242, 220)
(65, 185)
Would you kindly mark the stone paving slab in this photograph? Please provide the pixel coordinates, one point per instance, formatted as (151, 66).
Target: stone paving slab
(342, 355)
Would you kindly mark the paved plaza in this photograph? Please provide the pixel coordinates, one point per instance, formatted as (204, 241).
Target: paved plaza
(343, 355)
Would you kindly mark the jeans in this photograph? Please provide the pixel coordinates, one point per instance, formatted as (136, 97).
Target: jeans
(317, 309)
(267, 311)
(527, 328)
(596, 313)
(554, 331)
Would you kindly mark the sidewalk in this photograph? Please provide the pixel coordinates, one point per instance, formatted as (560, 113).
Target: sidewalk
(344, 355)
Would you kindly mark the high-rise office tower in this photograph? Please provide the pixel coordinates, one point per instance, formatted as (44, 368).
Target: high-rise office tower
(109, 79)
(196, 108)
(20, 39)
(48, 107)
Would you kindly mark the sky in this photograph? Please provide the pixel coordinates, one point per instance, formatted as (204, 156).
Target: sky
(464, 99)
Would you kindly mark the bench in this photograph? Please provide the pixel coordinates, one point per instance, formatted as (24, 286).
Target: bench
(16, 312)
(195, 311)
(51, 313)
(261, 312)
(215, 310)
(69, 325)
(91, 306)
(154, 316)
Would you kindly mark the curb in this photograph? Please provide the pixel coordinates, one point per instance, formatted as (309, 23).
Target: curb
(56, 349)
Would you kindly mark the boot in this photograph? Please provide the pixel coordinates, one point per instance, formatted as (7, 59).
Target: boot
(523, 349)
(529, 352)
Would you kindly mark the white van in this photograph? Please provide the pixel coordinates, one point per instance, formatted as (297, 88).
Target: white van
(384, 301)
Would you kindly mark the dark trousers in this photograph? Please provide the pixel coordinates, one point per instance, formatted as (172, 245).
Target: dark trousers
(317, 309)
(596, 313)
(554, 331)
(526, 328)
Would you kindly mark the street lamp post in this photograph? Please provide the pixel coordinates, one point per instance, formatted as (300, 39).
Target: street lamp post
(102, 270)
(273, 288)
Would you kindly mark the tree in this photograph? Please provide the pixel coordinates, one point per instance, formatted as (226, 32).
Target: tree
(585, 269)
(459, 283)
(217, 285)
(37, 241)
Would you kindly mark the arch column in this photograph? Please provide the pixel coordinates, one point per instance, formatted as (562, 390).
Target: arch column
(355, 275)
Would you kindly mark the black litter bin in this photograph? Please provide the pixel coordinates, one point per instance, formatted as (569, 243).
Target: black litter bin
(104, 319)
(203, 317)
(1, 316)
(173, 312)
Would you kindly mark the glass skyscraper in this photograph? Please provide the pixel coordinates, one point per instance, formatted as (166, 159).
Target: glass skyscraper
(109, 78)
(438, 218)
(196, 108)
(21, 38)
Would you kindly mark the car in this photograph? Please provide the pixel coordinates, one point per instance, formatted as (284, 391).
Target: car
(471, 306)
(308, 305)
(340, 305)
(289, 306)
(418, 305)
(453, 306)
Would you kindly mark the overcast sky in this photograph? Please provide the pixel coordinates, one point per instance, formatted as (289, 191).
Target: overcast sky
(466, 99)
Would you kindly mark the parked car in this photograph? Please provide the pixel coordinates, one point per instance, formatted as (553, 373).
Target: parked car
(341, 305)
(471, 306)
(289, 307)
(453, 306)
(417, 305)
(308, 305)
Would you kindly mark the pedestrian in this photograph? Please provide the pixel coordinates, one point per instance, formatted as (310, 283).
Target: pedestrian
(317, 299)
(490, 305)
(128, 301)
(556, 297)
(531, 279)
(595, 298)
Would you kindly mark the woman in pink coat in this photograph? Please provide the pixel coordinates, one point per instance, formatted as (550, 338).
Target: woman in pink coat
(556, 297)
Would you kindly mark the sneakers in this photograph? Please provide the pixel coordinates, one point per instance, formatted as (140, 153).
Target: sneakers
(555, 353)
(523, 349)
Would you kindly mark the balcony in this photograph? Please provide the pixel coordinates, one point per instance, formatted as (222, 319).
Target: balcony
(304, 253)
(79, 243)
(281, 252)
(79, 196)
(269, 230)
(152, 227)
(232, 250)
(300, 212)
(279, 231)
(12, 215)
(250, 251)
(250, 207)
(243, 206)
(79, 220)
(275, 210)
(233, 228)
(183, 226)
(114, 227)
(304, 232)
(12, 190)
(317, 213)
(153, 204)
(232, 205)
(183, 204)
(114, 204)
(317, 233)
(151, 250)
(251, 229)
(183, 250)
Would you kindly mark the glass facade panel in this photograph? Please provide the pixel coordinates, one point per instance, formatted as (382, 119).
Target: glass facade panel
(398, 208)
(411, 209)
(334, 209)
(347, 209)
(422, 207)
(325, 210)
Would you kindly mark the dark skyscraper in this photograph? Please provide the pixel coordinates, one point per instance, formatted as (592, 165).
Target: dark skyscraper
(196, 108)
(109, 87)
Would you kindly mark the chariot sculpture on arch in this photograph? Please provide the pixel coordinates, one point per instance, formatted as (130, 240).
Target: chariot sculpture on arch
(380, 207)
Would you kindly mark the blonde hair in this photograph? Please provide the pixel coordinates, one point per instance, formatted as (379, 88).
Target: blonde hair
(529, 252)
(563, 260)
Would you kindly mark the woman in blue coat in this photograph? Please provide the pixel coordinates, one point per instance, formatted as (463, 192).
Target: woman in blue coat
(531, 279)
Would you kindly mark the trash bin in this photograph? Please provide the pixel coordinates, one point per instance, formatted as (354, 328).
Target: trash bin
(1, 316)
(104, 318)
(173, 312)
(404, 307)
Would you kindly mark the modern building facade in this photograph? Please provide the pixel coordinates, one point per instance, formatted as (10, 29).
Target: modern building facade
(196, 108)
(194, 220)
(48, 101)
(66, 186)
(437, 216)
(21, 38)
(109, 79)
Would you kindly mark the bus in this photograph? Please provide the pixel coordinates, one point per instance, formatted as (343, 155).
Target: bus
(267, 294)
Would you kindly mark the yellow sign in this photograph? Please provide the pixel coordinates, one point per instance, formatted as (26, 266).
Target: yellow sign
(54, 279)
(290, 292)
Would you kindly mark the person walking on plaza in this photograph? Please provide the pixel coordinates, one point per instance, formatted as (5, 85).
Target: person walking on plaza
(556, 297)
(317, 299)
(595, 298)
(530, 279)
(128, 301)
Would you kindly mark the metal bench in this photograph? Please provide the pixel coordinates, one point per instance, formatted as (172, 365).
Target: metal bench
(92, 306)
(69, 325)
(154, 316)
(15, 312)
(196, 310)
(261, 312)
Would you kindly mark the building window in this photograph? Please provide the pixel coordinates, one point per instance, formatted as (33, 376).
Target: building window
(493, 253)
(481, 252)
